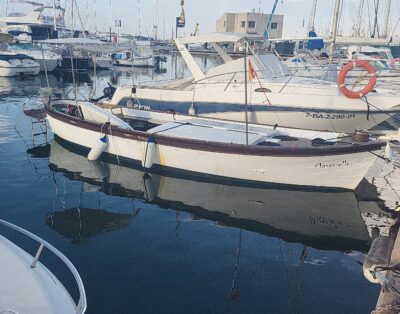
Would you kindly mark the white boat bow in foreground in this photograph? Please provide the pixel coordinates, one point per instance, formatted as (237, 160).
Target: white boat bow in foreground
(27, 286)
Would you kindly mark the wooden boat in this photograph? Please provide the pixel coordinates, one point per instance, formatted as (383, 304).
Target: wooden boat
(217, 148)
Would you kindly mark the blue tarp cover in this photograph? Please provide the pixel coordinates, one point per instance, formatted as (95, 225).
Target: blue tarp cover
(314, 43)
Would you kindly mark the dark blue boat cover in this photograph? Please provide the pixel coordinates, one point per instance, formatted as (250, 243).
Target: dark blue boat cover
(18, 56)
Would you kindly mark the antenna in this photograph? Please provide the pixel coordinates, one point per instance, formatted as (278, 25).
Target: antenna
(140, 14)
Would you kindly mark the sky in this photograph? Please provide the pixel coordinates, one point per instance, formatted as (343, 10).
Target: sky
(206, 12)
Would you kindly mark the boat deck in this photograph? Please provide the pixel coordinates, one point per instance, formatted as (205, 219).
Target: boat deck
(29, 290)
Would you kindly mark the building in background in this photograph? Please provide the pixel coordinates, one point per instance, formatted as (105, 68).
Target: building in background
(250, 23)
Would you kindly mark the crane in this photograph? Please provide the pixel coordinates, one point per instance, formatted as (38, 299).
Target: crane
(266, 32)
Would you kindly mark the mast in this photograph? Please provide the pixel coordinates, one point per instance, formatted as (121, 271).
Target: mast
(359, 19)
(311, 22)
(376, 25)
(155, 22)
(139, 19)
(54, 15)
(387, 18)
(245, 93)
(334, 28)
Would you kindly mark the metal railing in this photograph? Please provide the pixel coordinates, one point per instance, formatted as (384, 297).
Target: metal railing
(82, 303)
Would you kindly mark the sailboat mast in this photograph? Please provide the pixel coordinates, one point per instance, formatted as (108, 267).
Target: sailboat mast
(334, 28)
(139, 19)
(155, 22)
(359, 19)
(387, 18)
(54, 15)
(311, 22)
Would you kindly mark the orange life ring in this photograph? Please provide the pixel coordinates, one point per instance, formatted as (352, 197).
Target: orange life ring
(350, 66)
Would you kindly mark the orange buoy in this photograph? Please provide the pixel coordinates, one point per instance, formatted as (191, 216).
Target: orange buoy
(350, 66)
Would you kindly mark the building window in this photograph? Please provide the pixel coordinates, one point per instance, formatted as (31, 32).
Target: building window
(224, 23)
(243, 24)
(274, 25)
(252, 24)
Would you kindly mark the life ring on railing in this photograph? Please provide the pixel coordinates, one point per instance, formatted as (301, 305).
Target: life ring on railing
(350, 66)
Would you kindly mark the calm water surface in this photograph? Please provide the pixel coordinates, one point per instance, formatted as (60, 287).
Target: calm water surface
(164, 244)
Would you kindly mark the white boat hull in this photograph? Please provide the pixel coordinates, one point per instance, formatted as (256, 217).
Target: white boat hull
(137, 62)
(9, 69)
(48, 65)
(291, 110)
(332, 171)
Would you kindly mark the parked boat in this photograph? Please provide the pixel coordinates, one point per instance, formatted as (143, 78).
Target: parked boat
(13, 64)
(306, 64)
(35, 25)
(48, 60)
(217, 148)
(131, 58)
(85, 52)
(28, 286)
(275, 95)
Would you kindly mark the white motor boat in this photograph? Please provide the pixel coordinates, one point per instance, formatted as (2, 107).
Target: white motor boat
(28, 286)
(215, 148)
(13, 64)
(101, 62)
(139, 55)
(48, 60)
(132, 58)
(35, 25)
(306, 64)
(274, 94)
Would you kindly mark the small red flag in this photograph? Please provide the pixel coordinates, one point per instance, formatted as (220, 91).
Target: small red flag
(252, 73)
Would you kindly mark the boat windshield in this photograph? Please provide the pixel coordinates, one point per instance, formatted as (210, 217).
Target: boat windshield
(273, 67)
(382, 54)
(24, 46)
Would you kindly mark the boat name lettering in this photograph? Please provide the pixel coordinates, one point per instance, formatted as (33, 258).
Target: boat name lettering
(328, 116)
(141, 107)
(325, 221)
(337, 164)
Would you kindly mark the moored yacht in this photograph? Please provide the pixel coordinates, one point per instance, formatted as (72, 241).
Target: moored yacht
(13, 64)
(48, 60)
(275, 96)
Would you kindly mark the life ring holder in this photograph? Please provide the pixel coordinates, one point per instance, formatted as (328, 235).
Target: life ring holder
(350, 66)
(395, 61)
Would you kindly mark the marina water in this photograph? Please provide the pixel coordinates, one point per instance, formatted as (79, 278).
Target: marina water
(166, 244)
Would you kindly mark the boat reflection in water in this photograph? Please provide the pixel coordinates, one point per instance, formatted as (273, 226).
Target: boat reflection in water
(323, 220)
(80, 224)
